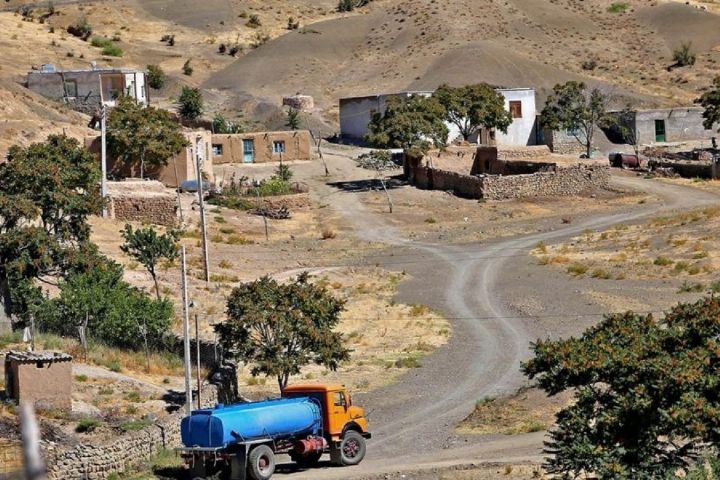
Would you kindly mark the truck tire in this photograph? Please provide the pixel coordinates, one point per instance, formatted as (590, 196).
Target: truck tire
(351, 450)
(307, 461)
(261, 463)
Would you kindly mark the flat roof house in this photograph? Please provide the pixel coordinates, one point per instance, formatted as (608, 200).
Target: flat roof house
(261, 147)
(88, 90)
(356, 113)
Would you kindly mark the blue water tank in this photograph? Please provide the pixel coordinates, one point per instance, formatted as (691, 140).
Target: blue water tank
(278, 419)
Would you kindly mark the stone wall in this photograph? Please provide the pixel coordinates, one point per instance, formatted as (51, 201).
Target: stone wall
(11, 459)
(563, 182)
(560, 142)
(94, 462)
(291, 202)
(685, 168)
(466, 186)
(142, 201)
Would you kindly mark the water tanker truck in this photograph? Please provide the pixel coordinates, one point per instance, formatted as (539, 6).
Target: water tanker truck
(240, 441)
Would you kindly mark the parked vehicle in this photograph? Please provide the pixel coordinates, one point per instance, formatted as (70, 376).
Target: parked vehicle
(240, 441)
(192, 187)
(623, 160)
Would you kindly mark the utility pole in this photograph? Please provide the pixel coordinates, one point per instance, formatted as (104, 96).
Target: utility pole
(197, 353)
(186, 336)
(203, 226)
(103, 158)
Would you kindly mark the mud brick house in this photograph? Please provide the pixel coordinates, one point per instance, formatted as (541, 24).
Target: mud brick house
(356, 113)
(178, 169)
(43, 378)
(88, 90)
(261, 147)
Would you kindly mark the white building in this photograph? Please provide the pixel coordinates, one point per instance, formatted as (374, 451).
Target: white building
(356, 113)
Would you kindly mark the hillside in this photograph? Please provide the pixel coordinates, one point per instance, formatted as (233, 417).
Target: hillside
(386, 46)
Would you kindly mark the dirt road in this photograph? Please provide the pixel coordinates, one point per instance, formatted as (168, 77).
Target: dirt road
(474, 286)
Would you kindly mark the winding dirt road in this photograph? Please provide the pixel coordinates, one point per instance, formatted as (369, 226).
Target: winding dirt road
(413, 420)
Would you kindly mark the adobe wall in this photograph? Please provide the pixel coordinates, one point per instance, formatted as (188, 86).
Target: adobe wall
(297, 146)
(142, 201)
(48, 387)
(466, 186)
(683, 123)
(93, 462)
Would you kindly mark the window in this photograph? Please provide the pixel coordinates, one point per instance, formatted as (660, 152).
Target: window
(71, 88)
(516, 109)
(217, 149)
(339, 399)
(279, 146)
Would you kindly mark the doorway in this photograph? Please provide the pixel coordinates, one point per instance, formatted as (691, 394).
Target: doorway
(248, 151)
(659, 130)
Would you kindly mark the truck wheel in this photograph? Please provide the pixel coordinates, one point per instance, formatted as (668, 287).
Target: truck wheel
(307, 461)
(261, 463)
(351, 450)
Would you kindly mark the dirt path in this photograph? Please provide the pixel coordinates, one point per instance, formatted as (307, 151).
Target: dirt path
(413, 420)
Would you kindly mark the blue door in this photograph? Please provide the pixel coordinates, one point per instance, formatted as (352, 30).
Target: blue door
(248, 151)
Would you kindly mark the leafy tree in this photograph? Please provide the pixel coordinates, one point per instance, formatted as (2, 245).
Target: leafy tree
(710, 100)
(99, 304)
(571, 107)
(411, 123)
(190, 103)
(346, 6)
(47, 192)
(293, 119)
(146, 133)
(474, 106)
(282, 327)
(647, 393)
(380, 161)
(222, 125)
(156, 77)
(148, 248)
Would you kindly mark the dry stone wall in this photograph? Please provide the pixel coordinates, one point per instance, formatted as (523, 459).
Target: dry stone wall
(142, 201)
(97, 462)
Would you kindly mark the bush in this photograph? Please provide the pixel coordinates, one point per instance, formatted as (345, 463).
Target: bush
(270, 188)
(260, 39)
(169, 39)
(346, 6)
(254, 21)
(683, 56)
(87, 425)
(100, 42)
(190, 103)
(293, 24)
(112, 51)
(187, 68)
(577, 269)
(156, 77)
(222, 48)
(589, 64)
(81, 29)
(662, 261)
(618, 7)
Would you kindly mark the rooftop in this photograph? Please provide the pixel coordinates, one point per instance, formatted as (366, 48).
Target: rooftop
(52, 69)
(35, 357)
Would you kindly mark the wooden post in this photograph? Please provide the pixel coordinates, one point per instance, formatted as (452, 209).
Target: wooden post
(103, 159)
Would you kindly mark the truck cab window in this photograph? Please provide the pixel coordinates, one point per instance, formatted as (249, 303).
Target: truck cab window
(339, 399)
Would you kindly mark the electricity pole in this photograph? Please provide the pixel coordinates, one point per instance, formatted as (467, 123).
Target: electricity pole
(186, 337)
(197, 353)
(203, 226)
(103, 158)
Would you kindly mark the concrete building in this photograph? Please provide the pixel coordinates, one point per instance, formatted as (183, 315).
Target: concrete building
(178, 169)
(356, 113)
(88, 90)
(261, 147)
(668, 125)
(43, 378)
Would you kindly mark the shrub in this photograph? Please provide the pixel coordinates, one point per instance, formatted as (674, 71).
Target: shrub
(254, 21)
(662, 261)
(600, 273)
(187, 68)
(87, 425)
(81, 29)
(260, 39)
(691, 287)
(222, 48)
(430, 220)
(112, 51)
(81, 378)
(190, 103)
(346, 6)
(169, 39)
(156, 77)
(134, 425)
(407, 362)
(328, 234)
(577, 269)
(618, 7)
(234, 50)
(589, 64)
(683, 56)
(100, 42)
(293, 24)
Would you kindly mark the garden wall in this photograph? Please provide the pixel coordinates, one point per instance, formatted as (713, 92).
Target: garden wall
(142, 201)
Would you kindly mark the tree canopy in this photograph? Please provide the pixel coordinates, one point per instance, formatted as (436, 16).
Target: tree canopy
(647, 393)
(279, 328)
(190, 103)
(412, 123)
(710, 100)
(47, 192)
(472, 107)
(145, 133)
(573, 108)
(148, 247)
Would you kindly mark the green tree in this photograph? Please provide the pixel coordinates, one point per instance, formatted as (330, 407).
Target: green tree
(279, 328)
(47, 192)
(292, 119)
(148, 248)
(647, 393)
(99, 304)
(412, 123)
(472, 107)
(221, 124)
(572, 108)
(145, 133)
(190, 103)
(710, 100)
(156, 77)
